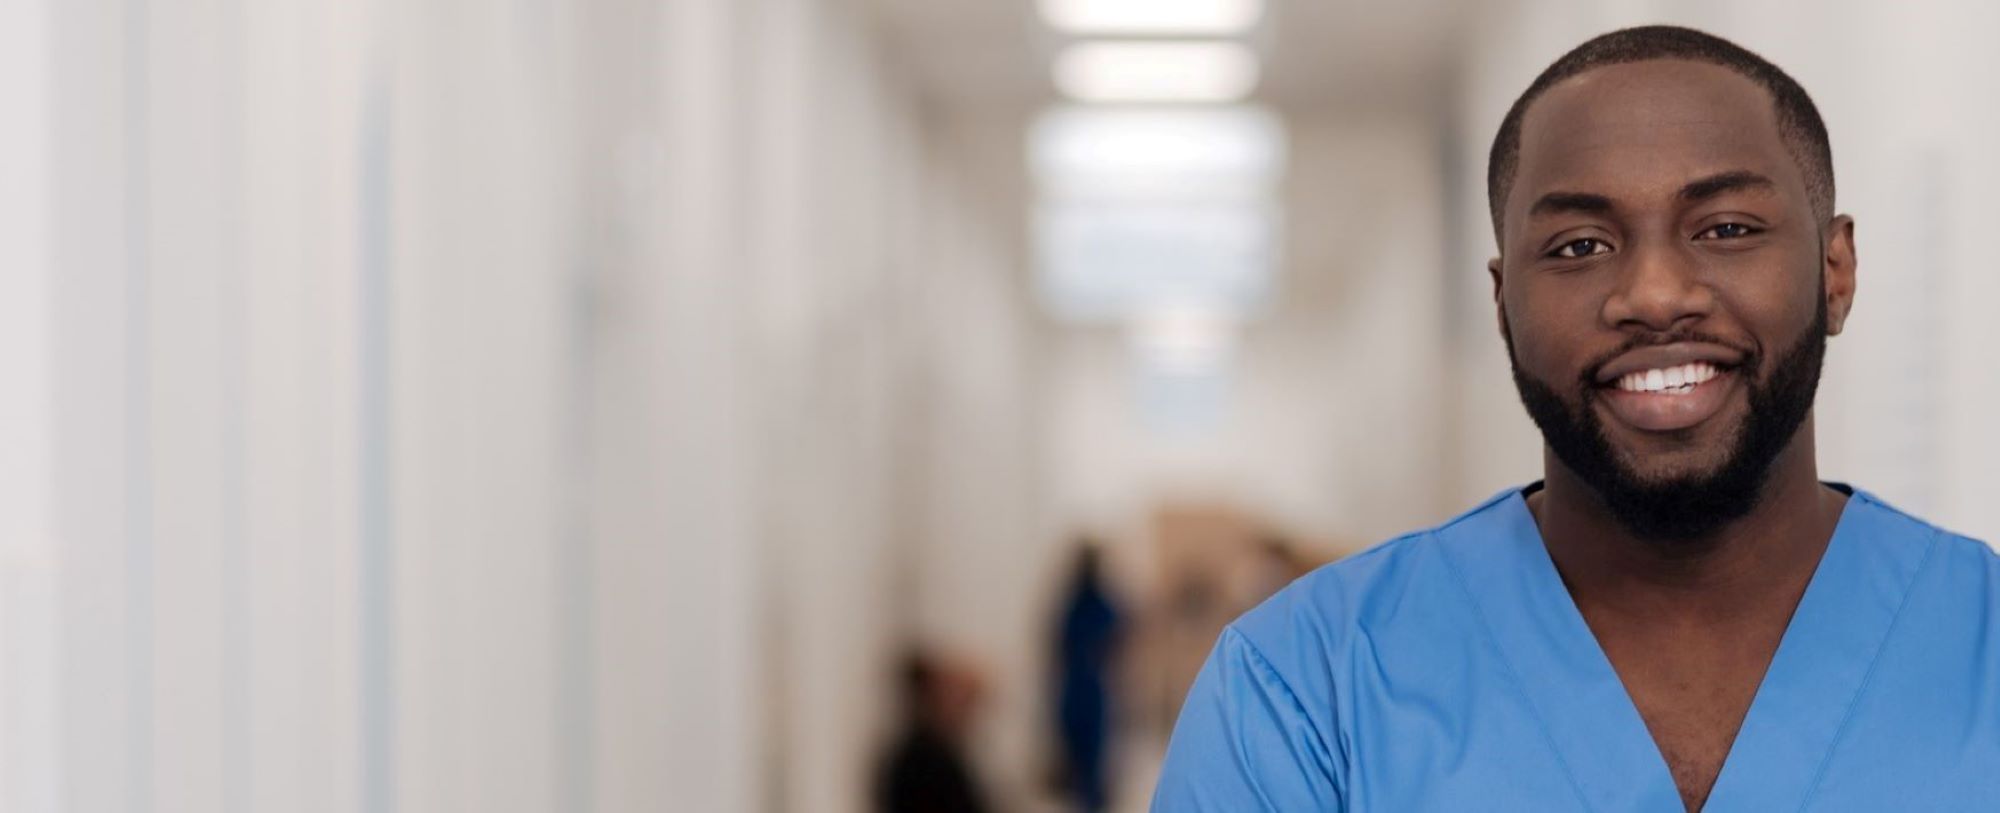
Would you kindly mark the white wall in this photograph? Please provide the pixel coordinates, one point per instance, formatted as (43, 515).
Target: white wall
(981, 551)
(28, 577)
(311, 322)
(526, 407)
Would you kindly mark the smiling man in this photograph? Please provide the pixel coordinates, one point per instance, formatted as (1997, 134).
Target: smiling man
(1680, 615)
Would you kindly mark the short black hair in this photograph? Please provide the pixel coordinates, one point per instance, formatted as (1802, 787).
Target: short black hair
(1799, 123)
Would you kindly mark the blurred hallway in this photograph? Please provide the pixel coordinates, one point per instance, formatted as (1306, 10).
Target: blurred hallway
(581, 406)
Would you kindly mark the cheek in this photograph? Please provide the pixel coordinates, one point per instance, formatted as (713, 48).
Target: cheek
(1788, 266)
(1550, 332)
(1774, 308)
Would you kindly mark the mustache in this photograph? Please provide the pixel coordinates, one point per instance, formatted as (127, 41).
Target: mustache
(1588, 377)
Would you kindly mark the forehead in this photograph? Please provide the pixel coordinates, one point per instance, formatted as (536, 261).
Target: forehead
(1637, 131)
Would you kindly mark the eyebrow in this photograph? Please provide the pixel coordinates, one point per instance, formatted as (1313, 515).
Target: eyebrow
(1731, 181)
(1734, 180)
(1559, 202)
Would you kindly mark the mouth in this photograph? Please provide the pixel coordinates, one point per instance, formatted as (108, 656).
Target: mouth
(1670, 398)
(1678, 380)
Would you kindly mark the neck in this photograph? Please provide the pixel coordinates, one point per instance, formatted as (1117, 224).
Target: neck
(1761, 560)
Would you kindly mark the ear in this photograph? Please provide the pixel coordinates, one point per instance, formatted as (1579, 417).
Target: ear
(1838, 268)
(1493, 270)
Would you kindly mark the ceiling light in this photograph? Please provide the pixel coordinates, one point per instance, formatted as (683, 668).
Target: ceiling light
(1156, 17)
(1097, 150)
(1156, 71)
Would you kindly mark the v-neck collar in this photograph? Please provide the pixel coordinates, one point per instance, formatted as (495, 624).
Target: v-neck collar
(1795, 718)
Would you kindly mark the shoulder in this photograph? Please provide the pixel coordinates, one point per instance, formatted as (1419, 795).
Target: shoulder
(1408, 585)
(1884, 521)
(1948, 573)
(1262, 727)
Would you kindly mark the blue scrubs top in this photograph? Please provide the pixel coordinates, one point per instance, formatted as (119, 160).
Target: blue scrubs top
(1449, 670)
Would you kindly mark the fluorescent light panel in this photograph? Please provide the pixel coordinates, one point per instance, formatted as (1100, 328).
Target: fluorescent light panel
(1152, 17)
(1097, 150)
(1172, 71)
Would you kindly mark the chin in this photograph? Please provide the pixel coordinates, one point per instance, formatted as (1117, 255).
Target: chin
(1672, 477)
(1684, 463)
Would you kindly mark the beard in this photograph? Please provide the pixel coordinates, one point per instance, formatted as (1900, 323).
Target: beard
(1689, 506)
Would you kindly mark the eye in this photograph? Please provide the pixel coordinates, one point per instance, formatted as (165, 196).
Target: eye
(1727, 231)
(1581, 248)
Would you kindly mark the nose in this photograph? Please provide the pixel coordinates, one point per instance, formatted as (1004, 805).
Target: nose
(1659, 288)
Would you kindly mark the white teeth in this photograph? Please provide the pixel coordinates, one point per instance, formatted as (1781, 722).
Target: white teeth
(1682, 378)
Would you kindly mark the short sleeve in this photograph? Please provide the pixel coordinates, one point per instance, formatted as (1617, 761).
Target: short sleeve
(1244, 742)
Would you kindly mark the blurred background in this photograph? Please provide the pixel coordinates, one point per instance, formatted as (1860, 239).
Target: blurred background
(704, 405)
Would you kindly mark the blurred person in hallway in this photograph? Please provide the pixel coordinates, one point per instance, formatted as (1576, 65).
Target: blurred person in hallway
(1680, 615)
(1088, 635)
(927, 770)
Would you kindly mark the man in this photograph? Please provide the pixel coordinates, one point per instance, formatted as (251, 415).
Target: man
(1680, 615)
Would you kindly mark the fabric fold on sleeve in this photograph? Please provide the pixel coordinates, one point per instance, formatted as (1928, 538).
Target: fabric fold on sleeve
(1245, 743)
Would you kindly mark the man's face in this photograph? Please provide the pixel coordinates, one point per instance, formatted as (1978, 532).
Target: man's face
(1666, 289)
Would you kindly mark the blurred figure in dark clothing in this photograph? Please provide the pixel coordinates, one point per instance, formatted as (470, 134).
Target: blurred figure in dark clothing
(1087, 638)
(927, 771)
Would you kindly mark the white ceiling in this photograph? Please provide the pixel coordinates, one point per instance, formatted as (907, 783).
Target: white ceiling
(993, 55)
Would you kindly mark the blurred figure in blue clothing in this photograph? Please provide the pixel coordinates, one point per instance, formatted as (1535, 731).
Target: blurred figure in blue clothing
(1087, 641)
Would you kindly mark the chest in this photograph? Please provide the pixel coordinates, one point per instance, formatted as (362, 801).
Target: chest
(1843, 720)
(1693, 700)
(1694, 727)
